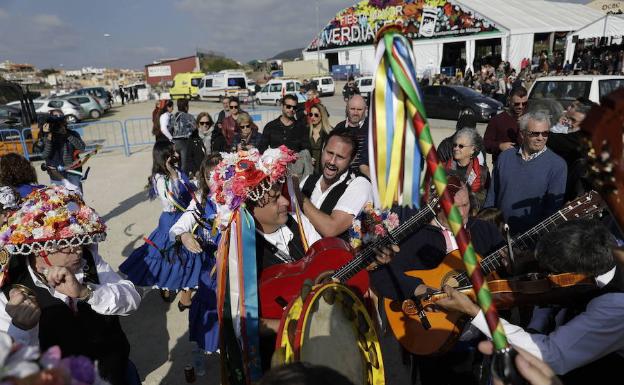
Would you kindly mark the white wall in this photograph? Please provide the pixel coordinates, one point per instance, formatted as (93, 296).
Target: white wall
(520, 47)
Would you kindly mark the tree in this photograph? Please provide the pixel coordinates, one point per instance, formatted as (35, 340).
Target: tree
(212, 63)
(48, 71)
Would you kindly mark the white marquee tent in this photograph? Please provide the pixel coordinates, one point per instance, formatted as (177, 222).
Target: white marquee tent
(606, 26)
(516, 21)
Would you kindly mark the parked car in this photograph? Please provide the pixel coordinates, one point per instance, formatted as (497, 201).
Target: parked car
(365, 85)
(73, 112)
(448, 102)
(88, 103)
(566, 89)
(275, 89)
(325, 85)
(99, 93)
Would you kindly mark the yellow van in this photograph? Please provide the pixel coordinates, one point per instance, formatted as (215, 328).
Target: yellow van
(185, 85)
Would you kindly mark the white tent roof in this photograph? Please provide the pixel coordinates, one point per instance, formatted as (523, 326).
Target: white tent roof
(608, 25)
(534, 16)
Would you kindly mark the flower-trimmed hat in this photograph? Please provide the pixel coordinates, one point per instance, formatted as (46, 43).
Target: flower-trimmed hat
(49, 219)
(247, 175)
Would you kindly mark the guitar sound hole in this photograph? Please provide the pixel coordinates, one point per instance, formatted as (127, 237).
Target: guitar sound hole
(452, 278)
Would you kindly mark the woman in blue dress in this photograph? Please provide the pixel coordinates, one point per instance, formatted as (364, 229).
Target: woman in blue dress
(159, 263)
(195, 232)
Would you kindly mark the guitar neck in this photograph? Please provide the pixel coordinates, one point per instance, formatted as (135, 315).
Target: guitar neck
(524, 241)
(367, 255)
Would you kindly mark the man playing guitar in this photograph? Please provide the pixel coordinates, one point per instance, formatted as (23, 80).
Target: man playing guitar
(590, 344)
(425, 250)
(279, 238)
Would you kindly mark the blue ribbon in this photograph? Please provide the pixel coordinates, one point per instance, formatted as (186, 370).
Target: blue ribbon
(250, 271)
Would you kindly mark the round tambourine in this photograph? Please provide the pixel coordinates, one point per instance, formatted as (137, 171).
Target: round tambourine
(329, 325)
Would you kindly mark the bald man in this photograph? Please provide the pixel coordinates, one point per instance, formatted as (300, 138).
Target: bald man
(357, 121)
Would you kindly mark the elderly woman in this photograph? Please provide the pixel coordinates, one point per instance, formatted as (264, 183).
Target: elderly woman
(319, 129)
(467, 144)
(247, 134)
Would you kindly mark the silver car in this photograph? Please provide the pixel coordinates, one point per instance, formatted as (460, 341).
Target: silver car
(73, 112)
(88, 103)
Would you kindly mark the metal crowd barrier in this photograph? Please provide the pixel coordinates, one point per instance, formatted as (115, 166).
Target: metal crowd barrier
(138, 132)
(107, 133)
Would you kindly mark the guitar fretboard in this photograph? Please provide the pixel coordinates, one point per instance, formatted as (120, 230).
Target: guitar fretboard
(528, 239)
(395, 236)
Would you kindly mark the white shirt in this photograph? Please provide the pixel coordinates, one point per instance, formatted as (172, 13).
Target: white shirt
(164, 123)
(186, 223)
(596, 332)
(164, 185)
(112, 296)
(358, 193)
(283, 235)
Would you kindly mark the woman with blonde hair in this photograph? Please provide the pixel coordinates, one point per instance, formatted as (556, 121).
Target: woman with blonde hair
(247, 134)
(318, 121)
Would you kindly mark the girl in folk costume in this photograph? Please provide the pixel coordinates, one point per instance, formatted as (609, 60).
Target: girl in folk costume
(158, 263)
(195, 232)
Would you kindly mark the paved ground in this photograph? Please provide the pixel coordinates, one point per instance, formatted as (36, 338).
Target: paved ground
(116, 189)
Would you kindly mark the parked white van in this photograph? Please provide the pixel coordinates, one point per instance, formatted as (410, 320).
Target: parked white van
(275, 89)
(325, 85)
(224, 83)
(566, 89)
(365, 85)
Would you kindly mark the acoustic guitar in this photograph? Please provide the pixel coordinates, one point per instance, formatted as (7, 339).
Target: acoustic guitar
(426, 333)
(330, 259)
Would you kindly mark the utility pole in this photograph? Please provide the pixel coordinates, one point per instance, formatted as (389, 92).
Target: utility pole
(318, 39)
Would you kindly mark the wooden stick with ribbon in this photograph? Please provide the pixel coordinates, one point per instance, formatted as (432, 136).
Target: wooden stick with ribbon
(396, 77)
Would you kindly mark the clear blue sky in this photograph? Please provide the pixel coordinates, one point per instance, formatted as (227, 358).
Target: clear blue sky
(71, 32)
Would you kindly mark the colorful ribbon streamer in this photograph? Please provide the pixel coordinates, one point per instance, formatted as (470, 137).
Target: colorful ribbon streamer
(395, 160)
(396, 66)
(237, 300)
(296, 208)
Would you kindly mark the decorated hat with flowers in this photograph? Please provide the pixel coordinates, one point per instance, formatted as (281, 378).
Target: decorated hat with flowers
(50, 219)
(247, 175)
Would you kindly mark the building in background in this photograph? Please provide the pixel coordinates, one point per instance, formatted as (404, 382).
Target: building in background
(162, 71)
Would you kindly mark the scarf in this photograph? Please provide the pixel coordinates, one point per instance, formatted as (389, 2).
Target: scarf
(473, 173)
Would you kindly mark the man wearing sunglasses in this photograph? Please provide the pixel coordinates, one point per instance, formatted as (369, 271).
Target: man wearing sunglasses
(286, 130)
(529, 182)
(502, 130)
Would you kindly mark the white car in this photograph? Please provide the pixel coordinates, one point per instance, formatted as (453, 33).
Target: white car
(365, 85)
(325, 85)
(274, 90)
(566, 89)
(73, 112)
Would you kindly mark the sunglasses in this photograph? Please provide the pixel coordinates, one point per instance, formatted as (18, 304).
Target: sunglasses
(518, 104)
(290, 106)
(204, 123)
(314, 114)
(245, 126)
(461, 146)
(234, 107)
(535, 134)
